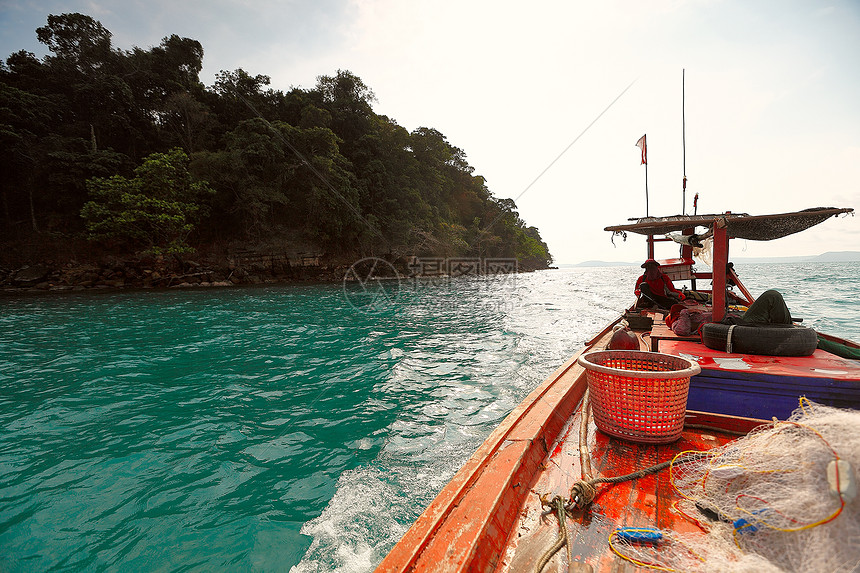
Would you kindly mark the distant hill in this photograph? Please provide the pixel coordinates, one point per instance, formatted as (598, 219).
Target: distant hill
(839, 256)
(828, 257)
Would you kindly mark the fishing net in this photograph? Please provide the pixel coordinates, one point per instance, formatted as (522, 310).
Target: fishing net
(740, 225)
(770, 227)
(782, 498)
(688, 552)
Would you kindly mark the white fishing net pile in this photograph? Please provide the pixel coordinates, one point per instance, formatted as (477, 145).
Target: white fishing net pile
(772, 506)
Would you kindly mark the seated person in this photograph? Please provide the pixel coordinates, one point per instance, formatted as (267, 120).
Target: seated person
(769, 308)
(654, 288)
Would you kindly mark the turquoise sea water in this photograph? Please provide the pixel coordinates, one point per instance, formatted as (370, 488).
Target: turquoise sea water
(278, 428)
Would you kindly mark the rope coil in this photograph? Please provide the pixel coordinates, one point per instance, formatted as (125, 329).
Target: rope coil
(561, 541)
(583, 492)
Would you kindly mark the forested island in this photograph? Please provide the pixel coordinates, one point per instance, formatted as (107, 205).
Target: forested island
(122, 169)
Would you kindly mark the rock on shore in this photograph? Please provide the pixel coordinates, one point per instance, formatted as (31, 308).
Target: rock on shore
(163, 273)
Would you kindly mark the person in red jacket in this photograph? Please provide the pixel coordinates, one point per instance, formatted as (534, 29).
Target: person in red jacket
(654, 288)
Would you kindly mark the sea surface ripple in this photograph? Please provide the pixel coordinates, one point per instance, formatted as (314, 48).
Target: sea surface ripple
(275, 428)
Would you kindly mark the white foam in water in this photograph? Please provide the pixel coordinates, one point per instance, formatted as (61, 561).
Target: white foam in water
(358, 526)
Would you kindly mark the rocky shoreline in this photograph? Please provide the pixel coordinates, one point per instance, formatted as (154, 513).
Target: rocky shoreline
(146, 273)
(247, 268)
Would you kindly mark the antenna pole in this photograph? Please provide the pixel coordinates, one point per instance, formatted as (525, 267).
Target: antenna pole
(683, 144)
(646, 189)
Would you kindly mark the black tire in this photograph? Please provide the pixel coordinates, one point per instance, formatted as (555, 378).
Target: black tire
(765, 339)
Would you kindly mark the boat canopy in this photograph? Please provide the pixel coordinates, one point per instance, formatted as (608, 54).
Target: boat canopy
(739, 225)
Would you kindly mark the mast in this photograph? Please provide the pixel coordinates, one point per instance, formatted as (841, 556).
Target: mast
(646, 189)
(683, 144)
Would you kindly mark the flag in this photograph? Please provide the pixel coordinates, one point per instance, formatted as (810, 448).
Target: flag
(641, 145)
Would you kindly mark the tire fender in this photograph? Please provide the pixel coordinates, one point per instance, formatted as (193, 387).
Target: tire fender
(764, 339)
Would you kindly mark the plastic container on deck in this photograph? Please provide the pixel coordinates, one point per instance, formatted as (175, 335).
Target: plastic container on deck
(638, 396)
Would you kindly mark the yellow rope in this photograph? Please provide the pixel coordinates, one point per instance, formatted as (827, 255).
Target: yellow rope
(640, 563)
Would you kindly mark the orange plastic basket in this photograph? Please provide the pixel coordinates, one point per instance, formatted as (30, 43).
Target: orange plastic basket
(638, 396)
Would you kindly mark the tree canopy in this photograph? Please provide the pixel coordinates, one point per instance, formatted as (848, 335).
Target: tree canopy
(155, 211)
(130, 150)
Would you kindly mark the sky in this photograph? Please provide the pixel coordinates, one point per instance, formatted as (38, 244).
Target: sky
(548, 100)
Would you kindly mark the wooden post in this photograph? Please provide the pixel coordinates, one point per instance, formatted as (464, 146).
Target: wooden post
(687, 254)
(646, 189)
(721, 259)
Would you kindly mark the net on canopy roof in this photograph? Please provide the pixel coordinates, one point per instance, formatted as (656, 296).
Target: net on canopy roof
(769, 227)
(740, 225)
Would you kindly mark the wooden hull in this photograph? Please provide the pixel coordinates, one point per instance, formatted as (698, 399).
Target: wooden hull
(490, 517)
(644, 502)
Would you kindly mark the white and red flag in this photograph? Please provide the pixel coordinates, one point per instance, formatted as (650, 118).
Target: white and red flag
(644, 147)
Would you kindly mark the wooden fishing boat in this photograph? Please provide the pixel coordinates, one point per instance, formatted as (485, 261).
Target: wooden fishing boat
(550, 490)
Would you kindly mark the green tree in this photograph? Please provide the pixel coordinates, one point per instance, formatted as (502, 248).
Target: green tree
(167, 107)
(83, 72)
(187, 120)
(274, 176)
(25, 120)
(241, 96)
(349, 101)
(76, 40)
(154, 211)
(531, 251)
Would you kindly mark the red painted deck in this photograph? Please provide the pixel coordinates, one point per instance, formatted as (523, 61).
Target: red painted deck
(820, 365)
(645, 502)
